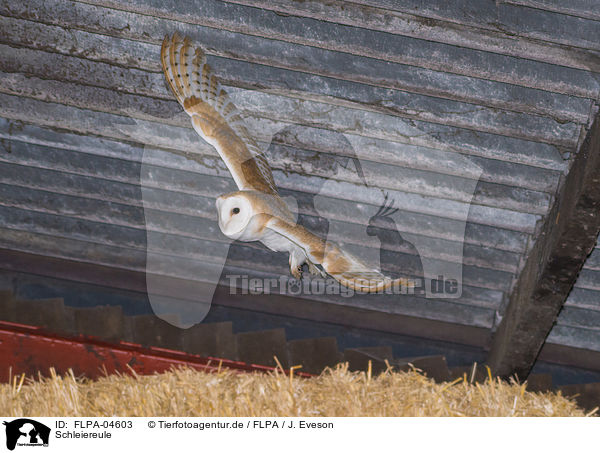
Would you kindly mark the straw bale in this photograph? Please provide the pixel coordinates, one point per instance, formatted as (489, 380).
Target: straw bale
(335, 392)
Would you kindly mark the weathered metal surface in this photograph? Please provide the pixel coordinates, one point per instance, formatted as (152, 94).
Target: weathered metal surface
(471, 312)
(428, 185)
(130, 252)
(306, 59)
(578, 324)
(490, 238)
(588, 9)
(363, 42)
(576, 337)
(124, 231)
(417, 133)
(406, 87)
(18, 221)
(162, 135)
(528, 127)
(309, 139)
(508, 18)
(414, 25)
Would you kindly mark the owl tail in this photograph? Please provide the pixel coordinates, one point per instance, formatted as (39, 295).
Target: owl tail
(373, 284)
(352, 273)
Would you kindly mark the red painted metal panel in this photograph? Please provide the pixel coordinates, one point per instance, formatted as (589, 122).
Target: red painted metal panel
(29, 350)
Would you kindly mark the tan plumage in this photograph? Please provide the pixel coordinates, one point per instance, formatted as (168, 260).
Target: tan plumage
(256, 212)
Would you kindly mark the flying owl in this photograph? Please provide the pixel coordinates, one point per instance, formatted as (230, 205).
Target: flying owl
(255, 212)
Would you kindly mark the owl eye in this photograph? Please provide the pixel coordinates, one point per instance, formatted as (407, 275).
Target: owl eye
(235, 211)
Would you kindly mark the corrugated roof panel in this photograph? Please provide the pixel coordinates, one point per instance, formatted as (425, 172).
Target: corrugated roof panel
(368, 42)
(115, 151)
(574, 337)
(50, 245)
(496, 199)
(469, 138)
(127, 194)
(579, 320)
(416, 23)
(508, 18)
(588, 9)
(469, 87)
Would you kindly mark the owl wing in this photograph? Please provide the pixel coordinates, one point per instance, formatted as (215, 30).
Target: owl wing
(340, 264)
(213, 115)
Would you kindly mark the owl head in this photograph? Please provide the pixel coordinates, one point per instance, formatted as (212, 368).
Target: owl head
(235, 212)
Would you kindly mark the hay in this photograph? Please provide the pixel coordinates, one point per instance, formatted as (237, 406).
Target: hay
(337, 392)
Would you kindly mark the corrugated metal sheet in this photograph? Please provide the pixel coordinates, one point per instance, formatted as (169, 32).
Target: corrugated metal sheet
(578, 323)
(432, 97)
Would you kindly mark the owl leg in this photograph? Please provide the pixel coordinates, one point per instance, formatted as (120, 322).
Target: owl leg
(297, 259)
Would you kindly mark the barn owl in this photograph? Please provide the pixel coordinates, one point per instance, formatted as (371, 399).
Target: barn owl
(255, 212)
